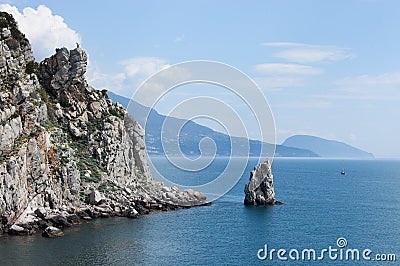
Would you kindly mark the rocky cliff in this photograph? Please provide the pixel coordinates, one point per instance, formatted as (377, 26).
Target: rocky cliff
(260, 189)
(67, 152)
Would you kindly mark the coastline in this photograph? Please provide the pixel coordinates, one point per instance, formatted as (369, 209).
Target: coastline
(86, 215)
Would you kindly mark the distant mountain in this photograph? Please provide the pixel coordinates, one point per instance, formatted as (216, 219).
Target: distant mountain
(192, 133)
(325, 147)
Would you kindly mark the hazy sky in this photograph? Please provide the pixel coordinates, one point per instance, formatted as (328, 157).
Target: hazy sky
(327, 68)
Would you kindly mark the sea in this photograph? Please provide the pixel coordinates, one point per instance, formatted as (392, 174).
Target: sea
(337, 216)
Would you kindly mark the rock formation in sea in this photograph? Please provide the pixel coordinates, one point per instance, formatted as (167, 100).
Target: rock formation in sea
(260, 189)
(67, 152)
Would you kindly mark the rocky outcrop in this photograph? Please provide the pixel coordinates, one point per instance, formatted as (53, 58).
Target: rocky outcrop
(52, 232)
(260, 189)
(67, 152)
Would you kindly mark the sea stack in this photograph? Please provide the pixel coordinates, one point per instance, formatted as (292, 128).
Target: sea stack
(260, 189)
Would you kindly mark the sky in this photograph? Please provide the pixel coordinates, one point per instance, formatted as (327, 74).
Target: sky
(327, 68)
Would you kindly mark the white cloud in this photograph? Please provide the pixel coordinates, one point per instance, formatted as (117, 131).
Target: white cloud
(143, 66)
(125, 82)
(180, 38)
(45, 31)
(99, 80)
(387, 80)
(307, 53)
(286, 69)
(300, 72)
(279, 76)
(319, 104)
(283, 44)
(276, 84)
(385, 87)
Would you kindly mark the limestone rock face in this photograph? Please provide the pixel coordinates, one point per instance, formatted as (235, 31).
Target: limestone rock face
(95, 197)
(260, 189)
(61, 139)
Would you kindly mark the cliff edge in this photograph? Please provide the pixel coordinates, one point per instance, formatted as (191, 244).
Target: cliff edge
(67, 152)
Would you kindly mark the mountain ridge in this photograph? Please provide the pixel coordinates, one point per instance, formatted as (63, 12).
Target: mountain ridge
(325, 147)
(193, 132)
(189, 142)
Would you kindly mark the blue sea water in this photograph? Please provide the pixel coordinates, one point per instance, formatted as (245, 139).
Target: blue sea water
(321, 205)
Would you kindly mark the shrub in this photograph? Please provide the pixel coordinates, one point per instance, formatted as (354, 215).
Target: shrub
(43, 94)
(107, 187)
(3, 22)
(64, 103)
(12, 44)
(16, 34)
(31, 67)
(116, 113)
(14, 115)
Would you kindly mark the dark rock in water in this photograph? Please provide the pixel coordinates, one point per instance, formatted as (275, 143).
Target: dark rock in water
(59, 221)
(82, 214)
(156, 206)
(18, 230)
(51, 232)
(95, 215)
(42, 224)
(278, 202)
(260, 189)
(74, 219)
(131, 213)
(140, 207)
(105, 215)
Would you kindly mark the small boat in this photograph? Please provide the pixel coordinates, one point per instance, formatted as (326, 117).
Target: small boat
(343, 172)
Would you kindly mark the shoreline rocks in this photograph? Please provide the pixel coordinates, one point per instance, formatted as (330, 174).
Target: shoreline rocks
(52, 232)
(68, 154)
(18, 230)
(52, 224)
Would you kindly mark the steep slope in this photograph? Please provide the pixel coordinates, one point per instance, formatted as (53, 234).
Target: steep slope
(66, 150)
(192, 133)
(325, 147)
